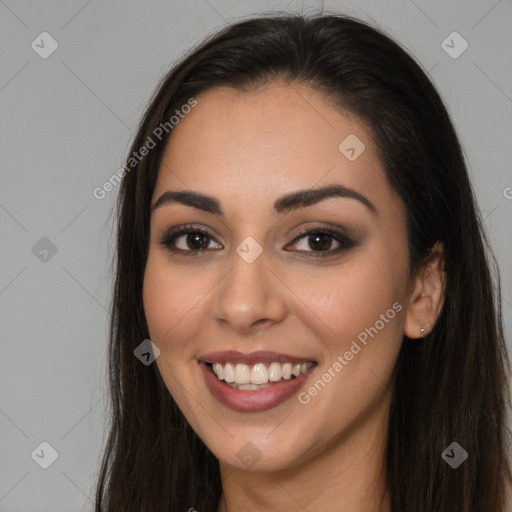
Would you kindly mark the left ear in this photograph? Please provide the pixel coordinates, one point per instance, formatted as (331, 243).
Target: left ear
(427, 298)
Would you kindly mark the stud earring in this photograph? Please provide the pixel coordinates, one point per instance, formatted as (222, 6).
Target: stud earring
(424, 330)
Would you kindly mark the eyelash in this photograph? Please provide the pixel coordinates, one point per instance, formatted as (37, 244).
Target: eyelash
(168, 239)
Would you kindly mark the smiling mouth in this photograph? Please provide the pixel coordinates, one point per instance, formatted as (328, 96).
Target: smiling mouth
(259, 375)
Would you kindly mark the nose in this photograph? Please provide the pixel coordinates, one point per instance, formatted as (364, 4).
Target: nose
(250, 297)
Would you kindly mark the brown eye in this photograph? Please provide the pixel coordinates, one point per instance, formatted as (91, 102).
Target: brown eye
(196, 241)
(320, 240)
(187, 239)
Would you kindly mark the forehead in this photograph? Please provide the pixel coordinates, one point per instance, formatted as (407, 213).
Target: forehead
(260, 144)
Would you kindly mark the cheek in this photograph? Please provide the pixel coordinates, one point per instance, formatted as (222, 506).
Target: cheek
(172, 298)
(359, 318)
(346, 302)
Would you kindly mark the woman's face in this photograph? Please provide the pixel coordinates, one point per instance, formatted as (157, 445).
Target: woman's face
(256, 283)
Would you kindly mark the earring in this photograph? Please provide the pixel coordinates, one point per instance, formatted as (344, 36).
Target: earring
(424, 330)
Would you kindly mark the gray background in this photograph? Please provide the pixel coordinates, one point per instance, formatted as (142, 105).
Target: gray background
(66, 123)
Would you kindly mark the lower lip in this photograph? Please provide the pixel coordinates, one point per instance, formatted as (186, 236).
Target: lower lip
(252, 400)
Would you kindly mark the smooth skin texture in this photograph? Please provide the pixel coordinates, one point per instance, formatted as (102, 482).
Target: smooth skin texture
(247, 149)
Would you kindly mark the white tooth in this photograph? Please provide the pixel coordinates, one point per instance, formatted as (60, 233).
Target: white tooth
(296, 370)
(304, 367)
(259, 374)
(287, 370)
(242, 374)
(217, 369)
(274, 372)
(229, 373)
(251, 387)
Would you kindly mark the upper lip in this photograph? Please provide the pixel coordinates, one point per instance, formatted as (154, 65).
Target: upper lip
(252, 358)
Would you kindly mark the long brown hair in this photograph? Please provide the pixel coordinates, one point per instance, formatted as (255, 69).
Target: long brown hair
(451, 386)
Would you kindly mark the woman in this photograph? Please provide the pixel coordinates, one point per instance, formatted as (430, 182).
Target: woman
(298, 238)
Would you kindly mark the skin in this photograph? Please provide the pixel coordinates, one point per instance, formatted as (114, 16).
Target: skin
(247, 149)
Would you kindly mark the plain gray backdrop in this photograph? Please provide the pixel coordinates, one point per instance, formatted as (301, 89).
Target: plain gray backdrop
(67, 119)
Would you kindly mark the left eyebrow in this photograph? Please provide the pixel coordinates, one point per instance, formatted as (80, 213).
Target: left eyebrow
(286, 203)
